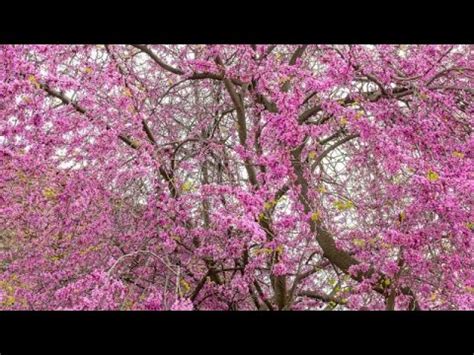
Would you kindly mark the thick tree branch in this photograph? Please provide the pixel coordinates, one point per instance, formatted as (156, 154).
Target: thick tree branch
(322, 297)
(328, 150)
(177, 71)
(338, 257)
(157, 60)
(242, 123)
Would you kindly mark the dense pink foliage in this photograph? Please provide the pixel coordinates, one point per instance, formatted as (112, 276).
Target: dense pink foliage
(236, 177)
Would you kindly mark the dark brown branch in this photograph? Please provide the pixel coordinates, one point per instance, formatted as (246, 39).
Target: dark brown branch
(298, 53)
(145, 126)
(242, 124)
(446, 71)
(262, 296)
(65, 100)
(199, 286)
(194, 76)
(157, 60)
(338, 257)
(308, 113)
(331, 148)
(322, 297)
(167, 176)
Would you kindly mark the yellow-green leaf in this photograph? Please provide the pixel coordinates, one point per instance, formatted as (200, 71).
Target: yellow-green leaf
(343, 205)
(49, 193)
(269, 204)
(263, 251)
(58, 257)
(432, 176)
(315, 216)
(187, 186)
(280, 249)
(32, 79)
(185, 285)
(358, 242)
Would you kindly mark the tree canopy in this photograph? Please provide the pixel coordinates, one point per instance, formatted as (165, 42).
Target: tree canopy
(236, 177)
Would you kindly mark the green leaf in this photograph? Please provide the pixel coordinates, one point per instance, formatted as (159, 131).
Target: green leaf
(432, 176)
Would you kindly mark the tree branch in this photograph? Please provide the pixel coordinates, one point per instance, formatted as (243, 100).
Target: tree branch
(322, 297)
(157, 60)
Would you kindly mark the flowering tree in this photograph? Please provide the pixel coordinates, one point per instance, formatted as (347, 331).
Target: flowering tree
(236, 177)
